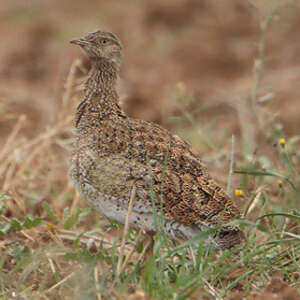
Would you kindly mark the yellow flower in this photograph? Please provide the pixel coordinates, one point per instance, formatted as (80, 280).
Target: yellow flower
(282, 142)
(239, 192)
(51, 226)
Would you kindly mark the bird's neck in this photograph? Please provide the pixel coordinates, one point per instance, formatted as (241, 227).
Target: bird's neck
(103, 75)
(100, 96)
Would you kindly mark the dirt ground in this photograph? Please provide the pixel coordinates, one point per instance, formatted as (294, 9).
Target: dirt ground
(206, 49)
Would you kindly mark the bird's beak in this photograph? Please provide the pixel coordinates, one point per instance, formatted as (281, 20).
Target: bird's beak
(79, 42)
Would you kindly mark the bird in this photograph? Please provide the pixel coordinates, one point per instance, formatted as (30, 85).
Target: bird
(115, 154)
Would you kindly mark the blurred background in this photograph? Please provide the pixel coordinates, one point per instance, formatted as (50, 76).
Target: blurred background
(206, 70)
(193, 66)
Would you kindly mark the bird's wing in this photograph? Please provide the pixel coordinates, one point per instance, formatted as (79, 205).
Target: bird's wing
(189, 194)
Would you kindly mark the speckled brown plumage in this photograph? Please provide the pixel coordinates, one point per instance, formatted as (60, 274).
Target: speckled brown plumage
(113, 152)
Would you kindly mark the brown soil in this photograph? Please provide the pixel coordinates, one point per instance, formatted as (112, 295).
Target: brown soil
(208, 47)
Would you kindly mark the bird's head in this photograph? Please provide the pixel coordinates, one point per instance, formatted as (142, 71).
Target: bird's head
(101, 45)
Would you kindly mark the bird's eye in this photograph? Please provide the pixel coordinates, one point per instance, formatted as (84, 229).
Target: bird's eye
(104, 41)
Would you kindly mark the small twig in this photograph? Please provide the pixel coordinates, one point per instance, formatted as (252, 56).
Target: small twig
(56, 238)
(254, 201)
(144, 250)
(69, 82)
(129, 254)
(59, 283)
(97, 283)
(9, 174)
(211, 290)
(192, 255)
(52, 267)
(27, 235)
(72, 236)
(76, 199)
(126, 227)
(231, 165)
(12, 136)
